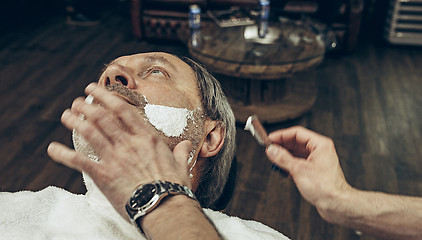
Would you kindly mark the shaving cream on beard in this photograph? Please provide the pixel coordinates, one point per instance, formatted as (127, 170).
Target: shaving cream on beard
(169, 120)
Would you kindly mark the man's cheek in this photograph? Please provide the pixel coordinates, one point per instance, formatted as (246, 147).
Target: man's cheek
(169, 120)
(176, 124)
(167, 95)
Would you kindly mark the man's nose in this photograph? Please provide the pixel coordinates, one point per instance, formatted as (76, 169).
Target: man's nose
(117, 74)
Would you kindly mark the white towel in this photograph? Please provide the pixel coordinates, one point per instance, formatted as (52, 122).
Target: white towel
(54, 213)
(240, 229)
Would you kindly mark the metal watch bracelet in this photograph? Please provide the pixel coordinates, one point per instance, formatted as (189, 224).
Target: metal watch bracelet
(147, 197)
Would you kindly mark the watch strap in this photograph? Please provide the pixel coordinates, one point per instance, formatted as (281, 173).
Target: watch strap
(147, 197)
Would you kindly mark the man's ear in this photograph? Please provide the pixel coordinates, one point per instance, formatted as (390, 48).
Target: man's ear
(214, 140)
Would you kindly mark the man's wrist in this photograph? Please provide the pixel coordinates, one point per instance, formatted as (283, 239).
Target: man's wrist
(175, 215)
(147, 197)
(169, 205)
(336, 203)
(178, 217)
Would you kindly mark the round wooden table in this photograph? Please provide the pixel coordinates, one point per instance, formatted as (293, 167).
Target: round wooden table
(256, 73)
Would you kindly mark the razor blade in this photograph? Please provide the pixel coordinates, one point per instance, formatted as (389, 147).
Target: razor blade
(254, 126)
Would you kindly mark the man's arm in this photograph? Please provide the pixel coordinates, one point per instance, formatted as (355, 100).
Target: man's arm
(184, 213)
(131, 154)
(380, 214)
(314, 166)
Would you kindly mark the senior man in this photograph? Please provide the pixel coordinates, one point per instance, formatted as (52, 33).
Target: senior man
(158, 128)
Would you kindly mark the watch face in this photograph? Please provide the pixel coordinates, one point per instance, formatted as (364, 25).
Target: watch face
(143, 196)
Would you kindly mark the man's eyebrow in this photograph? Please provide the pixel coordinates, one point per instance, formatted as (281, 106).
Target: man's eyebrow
(149, 58)
(159, 59)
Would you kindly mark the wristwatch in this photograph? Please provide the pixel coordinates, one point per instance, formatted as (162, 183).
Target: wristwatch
(148, 196)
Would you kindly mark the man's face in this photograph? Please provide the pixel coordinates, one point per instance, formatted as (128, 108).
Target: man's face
(163, 90)
(162, 78)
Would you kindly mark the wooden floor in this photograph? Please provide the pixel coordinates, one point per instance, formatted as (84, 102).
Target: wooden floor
(369, 102)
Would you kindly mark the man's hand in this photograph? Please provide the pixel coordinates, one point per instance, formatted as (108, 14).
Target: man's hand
(312, 161)
(130, 152)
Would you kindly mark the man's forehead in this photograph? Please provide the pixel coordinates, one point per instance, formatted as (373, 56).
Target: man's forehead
(152, 57)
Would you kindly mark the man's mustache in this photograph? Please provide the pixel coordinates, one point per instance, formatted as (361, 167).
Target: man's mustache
(134, 98)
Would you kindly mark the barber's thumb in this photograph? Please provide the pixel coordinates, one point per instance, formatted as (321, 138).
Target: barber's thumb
(182, 150)
(279, 155)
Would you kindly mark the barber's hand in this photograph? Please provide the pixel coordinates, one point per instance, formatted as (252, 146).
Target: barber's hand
(130, 152)
(312, 162)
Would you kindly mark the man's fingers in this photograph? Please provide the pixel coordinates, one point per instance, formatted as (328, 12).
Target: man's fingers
(118, 106)
(182, 151)
(281, 157)
(87, 130)
(66, 156)
(104, 120)
(295, 139)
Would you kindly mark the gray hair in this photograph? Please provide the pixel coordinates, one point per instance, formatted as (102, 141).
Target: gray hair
(216, 107)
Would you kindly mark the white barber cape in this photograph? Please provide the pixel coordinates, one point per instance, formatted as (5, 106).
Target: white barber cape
(54, 213)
